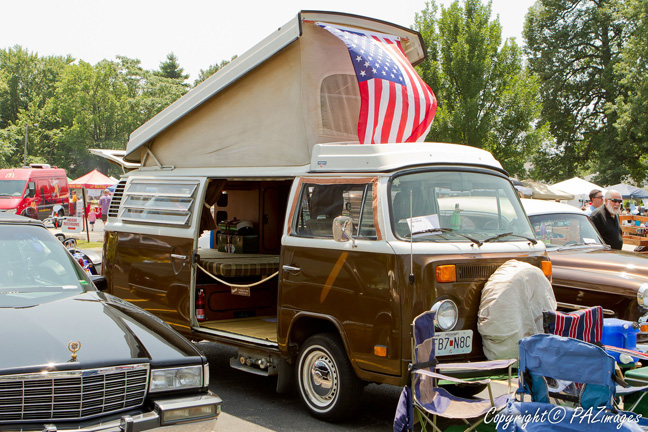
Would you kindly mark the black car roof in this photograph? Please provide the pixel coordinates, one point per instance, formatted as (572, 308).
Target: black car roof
(6, 219)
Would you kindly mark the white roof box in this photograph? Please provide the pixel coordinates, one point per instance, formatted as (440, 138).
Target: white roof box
(270, 106)
(387, 157)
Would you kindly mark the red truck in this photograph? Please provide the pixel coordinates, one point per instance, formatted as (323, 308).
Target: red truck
(38, 191)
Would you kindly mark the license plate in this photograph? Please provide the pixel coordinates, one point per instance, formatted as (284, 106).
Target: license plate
(453, 342)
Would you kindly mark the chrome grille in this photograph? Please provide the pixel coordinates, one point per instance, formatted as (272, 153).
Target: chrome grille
(72, 395)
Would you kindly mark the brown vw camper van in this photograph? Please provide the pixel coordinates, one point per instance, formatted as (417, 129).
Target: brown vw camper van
(264, 227)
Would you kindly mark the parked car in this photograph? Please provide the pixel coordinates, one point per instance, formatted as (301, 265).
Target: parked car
(586, 272)
(75, 358)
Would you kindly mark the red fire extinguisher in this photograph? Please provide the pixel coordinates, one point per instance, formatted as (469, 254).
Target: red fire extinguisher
(200, 306)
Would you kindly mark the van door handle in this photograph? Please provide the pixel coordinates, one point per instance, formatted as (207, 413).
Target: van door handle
(291, 269)
(179, 257)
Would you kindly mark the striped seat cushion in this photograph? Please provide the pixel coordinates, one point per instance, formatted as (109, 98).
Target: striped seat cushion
(233, 265)
(585, 325)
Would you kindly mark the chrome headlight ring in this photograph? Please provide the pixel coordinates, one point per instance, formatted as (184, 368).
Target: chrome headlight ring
(642, 295)
(446, 314)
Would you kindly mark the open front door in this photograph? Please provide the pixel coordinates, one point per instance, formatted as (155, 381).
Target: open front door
(149, 250)
(351, 285)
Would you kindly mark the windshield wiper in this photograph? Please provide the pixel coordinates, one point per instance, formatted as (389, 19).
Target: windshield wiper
(572, 245)
(510, 234)
(449, 230)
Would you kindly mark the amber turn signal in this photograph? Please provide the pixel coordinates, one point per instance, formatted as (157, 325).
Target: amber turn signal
(446, 273)
(643, 328)
(380, 351)
(546, 268)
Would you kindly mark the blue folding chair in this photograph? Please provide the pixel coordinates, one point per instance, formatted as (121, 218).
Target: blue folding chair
(426, 400)
(549, 359)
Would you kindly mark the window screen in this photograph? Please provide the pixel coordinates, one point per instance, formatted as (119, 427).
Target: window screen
(340, 105)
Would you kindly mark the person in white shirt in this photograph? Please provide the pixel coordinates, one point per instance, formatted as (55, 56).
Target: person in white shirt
(596, 201)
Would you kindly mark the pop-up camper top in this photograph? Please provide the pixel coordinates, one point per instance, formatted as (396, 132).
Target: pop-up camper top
(256, 220)
(271, 105)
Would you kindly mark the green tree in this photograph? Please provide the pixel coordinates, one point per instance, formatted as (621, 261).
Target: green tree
(632, 108)
(171, 69)
(27, 83)
(574, 46)
(485, 97)
(211, 70)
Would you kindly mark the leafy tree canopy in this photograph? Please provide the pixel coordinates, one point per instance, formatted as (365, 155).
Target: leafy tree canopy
(64, 107)
(574, 48)
(485, 97)
(632, 107)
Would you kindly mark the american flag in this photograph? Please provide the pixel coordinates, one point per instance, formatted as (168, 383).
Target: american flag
(396, 104)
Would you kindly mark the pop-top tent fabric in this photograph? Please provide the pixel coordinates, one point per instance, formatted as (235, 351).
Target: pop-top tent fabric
(629, 192)
(270, 106)
(579, 188)
(93, 180)
(544, 191)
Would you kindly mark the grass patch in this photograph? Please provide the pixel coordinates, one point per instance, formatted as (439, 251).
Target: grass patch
(83, 244)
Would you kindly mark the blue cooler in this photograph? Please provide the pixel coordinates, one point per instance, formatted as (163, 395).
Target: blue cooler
(621, 334)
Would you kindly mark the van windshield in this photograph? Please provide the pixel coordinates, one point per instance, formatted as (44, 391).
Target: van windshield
(452, 206)
(12, 188)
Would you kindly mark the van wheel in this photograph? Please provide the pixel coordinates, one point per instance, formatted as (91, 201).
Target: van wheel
(327, 384)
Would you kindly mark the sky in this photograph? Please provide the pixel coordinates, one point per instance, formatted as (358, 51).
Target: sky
(199, 32)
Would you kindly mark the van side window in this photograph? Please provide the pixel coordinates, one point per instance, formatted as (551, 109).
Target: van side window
(319, 204)
(160, 203)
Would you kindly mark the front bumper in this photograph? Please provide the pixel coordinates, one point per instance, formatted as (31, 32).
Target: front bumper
(194, 413)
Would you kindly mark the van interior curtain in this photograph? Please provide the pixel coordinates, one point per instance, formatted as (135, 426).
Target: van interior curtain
(214, 190)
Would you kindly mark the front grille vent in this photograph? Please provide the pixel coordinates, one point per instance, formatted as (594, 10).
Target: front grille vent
(467, 272)
(115, 201)
(72, 395)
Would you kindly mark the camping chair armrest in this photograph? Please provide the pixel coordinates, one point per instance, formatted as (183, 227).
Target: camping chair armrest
(449, 378)
(624, 391)
(476, 366)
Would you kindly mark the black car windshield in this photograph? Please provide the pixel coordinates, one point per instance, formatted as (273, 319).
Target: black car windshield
(35, 267)
(560, 230)
(12, 188)
(457, 206)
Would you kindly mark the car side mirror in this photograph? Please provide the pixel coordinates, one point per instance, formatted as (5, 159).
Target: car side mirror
(343, 230)
(31, 190)
(100, 282)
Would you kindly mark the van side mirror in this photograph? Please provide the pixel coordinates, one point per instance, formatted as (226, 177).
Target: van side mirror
(100, 282)
(31, 190)
(343, 230)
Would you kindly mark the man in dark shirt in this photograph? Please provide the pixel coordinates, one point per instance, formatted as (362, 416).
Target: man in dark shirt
(606, 219)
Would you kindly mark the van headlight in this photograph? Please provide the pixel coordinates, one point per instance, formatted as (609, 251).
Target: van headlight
(642, 295)
(446, 314)
(176, 378)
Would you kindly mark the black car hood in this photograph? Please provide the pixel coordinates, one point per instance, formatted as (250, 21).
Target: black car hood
(110, 331)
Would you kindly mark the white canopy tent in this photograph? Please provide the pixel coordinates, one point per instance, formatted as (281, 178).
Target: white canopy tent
(579, 188)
